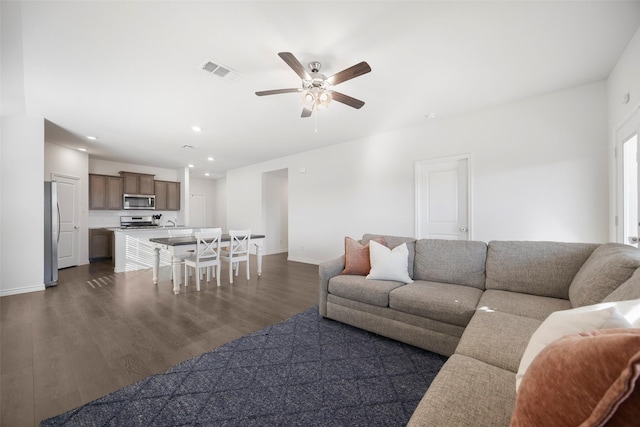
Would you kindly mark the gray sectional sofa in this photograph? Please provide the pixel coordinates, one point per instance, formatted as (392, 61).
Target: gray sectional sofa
(479, 304)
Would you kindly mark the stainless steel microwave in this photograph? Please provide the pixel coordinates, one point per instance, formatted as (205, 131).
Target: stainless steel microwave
(139, 201)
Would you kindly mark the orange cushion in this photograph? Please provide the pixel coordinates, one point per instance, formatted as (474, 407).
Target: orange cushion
(586, 379)
(356, 256)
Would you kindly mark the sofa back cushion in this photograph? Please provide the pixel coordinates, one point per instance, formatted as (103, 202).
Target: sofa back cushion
(537, 268)
(608, 266)
(392, 242)
(461, 262)
(629, 290)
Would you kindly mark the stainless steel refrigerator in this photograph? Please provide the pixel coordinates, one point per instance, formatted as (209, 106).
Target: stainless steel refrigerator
(51, 233)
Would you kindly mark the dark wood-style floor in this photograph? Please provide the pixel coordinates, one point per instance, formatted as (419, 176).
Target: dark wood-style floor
(98, 331)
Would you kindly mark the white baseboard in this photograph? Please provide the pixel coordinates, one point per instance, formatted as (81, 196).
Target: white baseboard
(303, 260)
(23, 290)
(274, 251)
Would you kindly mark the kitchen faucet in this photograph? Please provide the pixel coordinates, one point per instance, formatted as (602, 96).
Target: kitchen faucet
(175, 223)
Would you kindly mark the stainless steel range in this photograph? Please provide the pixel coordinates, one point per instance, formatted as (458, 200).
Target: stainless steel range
(143, 221)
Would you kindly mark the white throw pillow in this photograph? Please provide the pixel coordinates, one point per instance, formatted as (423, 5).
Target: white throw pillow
(624, 314)
(389, 264)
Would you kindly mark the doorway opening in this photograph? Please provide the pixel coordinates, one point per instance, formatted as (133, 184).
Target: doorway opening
(628, 220)
(275, 211)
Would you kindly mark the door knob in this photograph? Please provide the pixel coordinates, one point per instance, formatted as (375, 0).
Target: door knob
(75, 227)
(634, 239)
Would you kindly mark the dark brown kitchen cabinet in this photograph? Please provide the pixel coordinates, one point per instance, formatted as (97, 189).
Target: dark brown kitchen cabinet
(167, 195)
(100, 243)
(105, 192)
(137, 183)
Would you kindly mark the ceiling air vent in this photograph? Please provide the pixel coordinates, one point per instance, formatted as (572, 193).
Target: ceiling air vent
(221, 71)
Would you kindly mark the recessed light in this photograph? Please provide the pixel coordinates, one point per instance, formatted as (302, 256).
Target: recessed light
(196, 128)
(82, 149)
(206, 174)
(431, 116)
(92, 138)
(191, 166)
(210, 159)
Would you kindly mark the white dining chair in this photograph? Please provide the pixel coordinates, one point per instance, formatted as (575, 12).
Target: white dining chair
(181, 232)
(238, 251)
(207, 255)
(206, 230)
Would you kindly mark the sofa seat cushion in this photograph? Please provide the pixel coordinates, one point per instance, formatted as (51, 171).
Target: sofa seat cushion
(498, 339)
(461, 262)
(445, 302)
(467, 393)
(533, 306)
(358, 288)
(537, 268)
(608, 266)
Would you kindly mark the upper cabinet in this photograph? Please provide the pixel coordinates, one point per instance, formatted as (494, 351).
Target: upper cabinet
(167, 195)
(105, 192)
(137, 183)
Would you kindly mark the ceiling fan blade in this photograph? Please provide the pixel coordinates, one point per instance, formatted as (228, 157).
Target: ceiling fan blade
(349, 73)
(346, 99)
(306, 112)
(293, 62)
(276, 91)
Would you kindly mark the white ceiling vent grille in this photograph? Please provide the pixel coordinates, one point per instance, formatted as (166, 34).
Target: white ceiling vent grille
(221, 71)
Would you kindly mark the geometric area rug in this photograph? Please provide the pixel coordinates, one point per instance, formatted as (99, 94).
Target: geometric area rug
(305, 371)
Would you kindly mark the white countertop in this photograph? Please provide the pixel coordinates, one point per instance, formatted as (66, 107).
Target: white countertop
(154, 228)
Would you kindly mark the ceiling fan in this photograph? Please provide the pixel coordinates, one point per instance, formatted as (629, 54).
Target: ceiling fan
(316, 88)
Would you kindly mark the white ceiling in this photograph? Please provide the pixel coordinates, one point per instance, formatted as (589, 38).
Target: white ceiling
(129, 72)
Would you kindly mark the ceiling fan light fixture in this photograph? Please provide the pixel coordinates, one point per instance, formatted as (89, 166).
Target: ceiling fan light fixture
(324, 99)
(308, 99)
(316, 98)
(316, 91)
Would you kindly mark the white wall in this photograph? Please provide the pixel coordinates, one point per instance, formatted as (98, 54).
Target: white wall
(21, 168)
(207, 188)
(73, 163)
(624, 79)
(220, 203)
(539, 169)
(105, 167)
(22, 217)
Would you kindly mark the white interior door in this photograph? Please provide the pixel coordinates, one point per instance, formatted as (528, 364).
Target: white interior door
(197, 211)
(442, 199)
(628, 176)
(69, 204)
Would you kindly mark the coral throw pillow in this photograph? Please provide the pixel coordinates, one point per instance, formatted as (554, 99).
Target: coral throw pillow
(587, 379)
(569, 322)
(356, 256)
